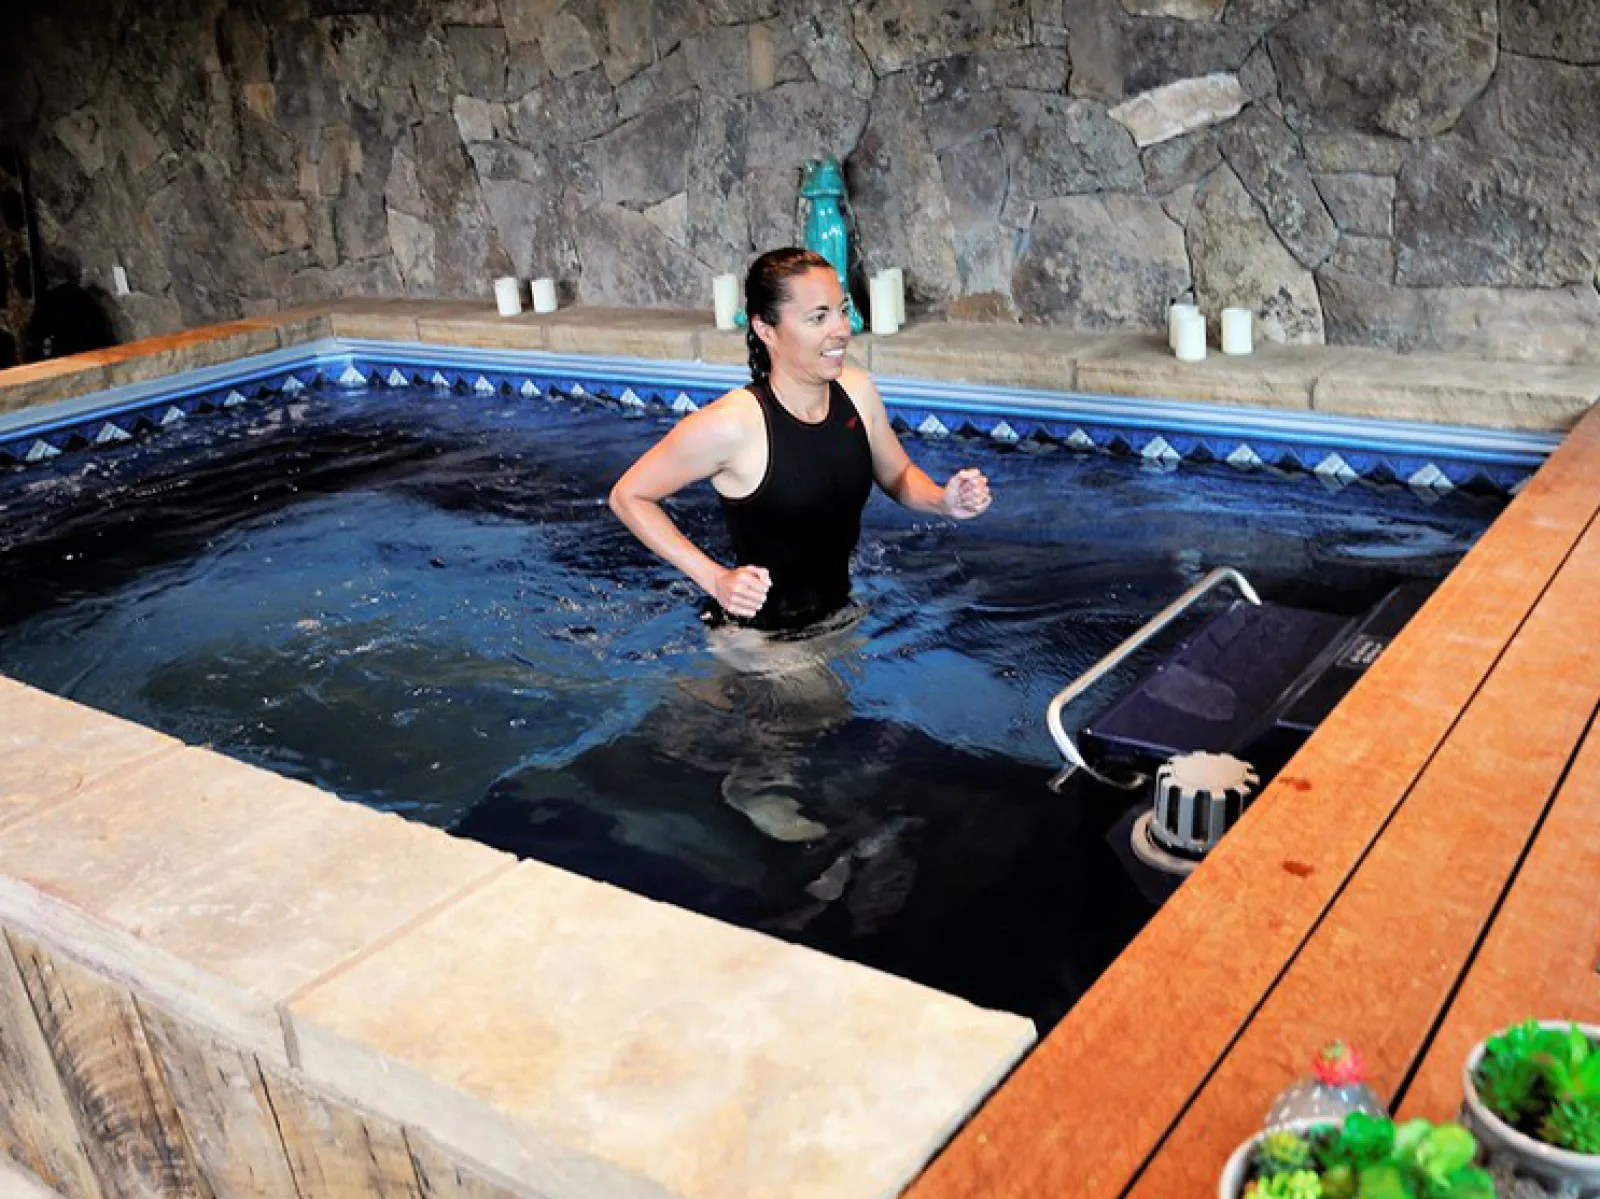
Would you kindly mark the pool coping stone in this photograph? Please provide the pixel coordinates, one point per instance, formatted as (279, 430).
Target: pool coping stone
(1342, 380)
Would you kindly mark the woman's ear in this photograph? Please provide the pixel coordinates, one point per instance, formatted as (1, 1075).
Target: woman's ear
(764, 331)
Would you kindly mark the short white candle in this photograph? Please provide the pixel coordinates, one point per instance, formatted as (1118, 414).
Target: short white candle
(1174, 313)
(508, 296)
(885, 316)
(1191, 345)
(544, 295)
(1236, 337)
(725, 294)
(899, 277)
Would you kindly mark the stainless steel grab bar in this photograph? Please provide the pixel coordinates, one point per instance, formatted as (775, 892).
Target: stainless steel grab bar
(1052, 716)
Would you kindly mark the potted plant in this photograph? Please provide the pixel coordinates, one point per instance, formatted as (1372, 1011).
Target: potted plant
(1366, 1157)
(1532, 1096)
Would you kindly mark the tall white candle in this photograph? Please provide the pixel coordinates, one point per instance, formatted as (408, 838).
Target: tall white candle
(725, 295)
(508, 296)
(1191, 345)
(885, 315)
(1175, 313)
(1236, 336)
(544, 295)
(899, 277)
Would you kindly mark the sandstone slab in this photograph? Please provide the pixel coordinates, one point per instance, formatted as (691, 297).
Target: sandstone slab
(219, 889)
(631, 333)
(51, 749)
(485, 328)
(625, 1047)
(1102, 262)
(1171, 111)
(1274, 376)
(1454, 389)
(1000, 355)
(1239, 262)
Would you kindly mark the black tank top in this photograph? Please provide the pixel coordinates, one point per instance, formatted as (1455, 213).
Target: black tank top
(803, 519)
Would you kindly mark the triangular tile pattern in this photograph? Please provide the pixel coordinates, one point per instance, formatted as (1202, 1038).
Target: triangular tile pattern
(1167, 448)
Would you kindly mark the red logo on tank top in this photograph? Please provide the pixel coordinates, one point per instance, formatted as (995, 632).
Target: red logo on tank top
(851, 423)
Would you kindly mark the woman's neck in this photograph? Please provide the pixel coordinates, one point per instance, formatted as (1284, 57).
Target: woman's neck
(806, 399)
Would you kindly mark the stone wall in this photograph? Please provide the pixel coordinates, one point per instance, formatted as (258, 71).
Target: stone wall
(16, 260)
(1401, 173)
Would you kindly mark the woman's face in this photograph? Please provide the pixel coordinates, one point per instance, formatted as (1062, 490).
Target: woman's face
(813, 327)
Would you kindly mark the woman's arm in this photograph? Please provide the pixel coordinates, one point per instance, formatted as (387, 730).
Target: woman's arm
(704, 445)
(964, 495)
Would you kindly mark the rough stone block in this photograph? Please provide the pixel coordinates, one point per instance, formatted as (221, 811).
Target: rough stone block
(46, 382)
(50, 749)
(1458, 390)
(624, 1047)
(1272, 377)
(218, 889)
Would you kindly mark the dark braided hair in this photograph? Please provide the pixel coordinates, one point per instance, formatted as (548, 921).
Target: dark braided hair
(766, 287)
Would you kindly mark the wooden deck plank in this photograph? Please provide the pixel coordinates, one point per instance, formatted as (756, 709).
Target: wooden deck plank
(1540, 955)
(1384, 962)
(1084, 1111)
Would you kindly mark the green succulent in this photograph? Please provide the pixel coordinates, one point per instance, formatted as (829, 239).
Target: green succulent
(1282, 1152)
(1296, 1184)
(1370, 1157)
(1510, 1084)
(1573, 1124)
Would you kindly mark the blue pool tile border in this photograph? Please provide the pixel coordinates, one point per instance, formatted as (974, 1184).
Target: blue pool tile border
(1431, 459)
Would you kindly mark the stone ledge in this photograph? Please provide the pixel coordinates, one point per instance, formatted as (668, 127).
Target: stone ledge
(1441, 387)
(220, 889)
(1001, 355)
(51, 749)
(1350, 381)
(690, 1057)
(1142, 366)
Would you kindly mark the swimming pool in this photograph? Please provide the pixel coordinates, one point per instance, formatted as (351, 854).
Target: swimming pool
(417, 599)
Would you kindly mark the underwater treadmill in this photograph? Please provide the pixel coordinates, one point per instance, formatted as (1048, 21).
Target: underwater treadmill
(1223, 712)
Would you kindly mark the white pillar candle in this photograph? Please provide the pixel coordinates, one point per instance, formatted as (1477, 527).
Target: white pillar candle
(508, 296)
(1236, 337)
(725, 294)
(884, 313)
(1175, 312)
(899, 277)
(1191, 345)
(544, 295)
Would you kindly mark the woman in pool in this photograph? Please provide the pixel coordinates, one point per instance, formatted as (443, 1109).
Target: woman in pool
(793, 456)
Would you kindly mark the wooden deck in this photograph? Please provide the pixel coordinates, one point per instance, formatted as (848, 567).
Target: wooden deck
(1422, 873)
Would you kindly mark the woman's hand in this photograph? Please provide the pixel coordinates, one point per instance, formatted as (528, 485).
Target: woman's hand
(966, 494)
(742, 590)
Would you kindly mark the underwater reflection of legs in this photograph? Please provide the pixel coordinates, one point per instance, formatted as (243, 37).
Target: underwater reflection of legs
(787, 692)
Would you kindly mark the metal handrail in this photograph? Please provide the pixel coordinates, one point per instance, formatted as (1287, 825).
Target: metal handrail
(1052, 716)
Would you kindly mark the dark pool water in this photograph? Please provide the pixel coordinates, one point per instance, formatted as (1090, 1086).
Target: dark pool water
(420, 602)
